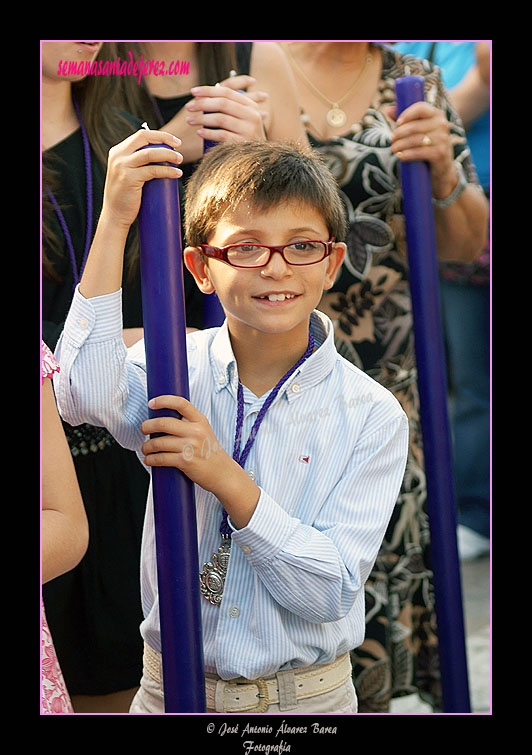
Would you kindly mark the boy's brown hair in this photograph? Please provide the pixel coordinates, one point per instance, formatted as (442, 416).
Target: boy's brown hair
(263, 174)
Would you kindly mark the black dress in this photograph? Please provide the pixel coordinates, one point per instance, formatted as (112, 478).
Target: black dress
(94, 611)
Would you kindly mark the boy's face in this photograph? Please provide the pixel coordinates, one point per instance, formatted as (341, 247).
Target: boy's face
(241, 291)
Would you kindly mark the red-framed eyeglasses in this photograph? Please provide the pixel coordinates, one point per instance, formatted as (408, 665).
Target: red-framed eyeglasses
(296, 253)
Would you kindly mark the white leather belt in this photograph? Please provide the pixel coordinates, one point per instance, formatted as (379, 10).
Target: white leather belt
(255, 695)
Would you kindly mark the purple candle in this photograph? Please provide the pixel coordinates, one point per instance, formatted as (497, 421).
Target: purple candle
(430, 358)
(173, 492)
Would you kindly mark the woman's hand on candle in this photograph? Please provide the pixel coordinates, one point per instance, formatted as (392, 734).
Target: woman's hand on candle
(129, 167)
(423, 133)
(191, 445)
(223, 113)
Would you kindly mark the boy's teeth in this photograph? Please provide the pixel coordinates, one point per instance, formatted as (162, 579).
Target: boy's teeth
(278, 297)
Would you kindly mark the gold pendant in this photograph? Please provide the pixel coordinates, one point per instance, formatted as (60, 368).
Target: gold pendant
(336, 117)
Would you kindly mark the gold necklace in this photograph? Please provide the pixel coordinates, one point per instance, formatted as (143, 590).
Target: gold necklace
(336, 117)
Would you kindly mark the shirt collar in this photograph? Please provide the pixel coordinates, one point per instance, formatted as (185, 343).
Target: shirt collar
(311, 372)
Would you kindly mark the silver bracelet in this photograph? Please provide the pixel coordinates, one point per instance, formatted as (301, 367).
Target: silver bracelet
(456, 192)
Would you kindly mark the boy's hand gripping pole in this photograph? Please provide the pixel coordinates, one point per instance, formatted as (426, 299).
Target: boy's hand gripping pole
(163, 306)
(430, 358)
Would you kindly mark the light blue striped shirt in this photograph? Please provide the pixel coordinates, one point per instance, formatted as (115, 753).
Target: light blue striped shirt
(329, 460)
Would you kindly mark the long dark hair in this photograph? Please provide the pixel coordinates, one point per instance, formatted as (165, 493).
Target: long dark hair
(106, 126)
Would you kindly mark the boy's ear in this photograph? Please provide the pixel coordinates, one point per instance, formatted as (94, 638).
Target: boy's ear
(197, 266)
(334, 260)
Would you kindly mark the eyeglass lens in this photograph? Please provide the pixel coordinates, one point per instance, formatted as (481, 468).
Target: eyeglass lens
(298, 253)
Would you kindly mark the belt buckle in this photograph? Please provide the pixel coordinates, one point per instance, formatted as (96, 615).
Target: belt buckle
(264, 699)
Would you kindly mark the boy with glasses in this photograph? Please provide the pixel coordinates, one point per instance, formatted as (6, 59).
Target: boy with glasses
(297, 455)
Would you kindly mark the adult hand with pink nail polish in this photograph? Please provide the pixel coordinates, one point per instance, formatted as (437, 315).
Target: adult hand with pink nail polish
(225, 112)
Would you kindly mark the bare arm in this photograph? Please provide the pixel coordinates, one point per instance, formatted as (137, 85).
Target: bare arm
(461, 228)
(471, 97)
(274, 75)
(65, 530)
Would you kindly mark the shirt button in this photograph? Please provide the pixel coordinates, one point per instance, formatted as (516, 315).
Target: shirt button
(251, 473)
(221, 379)
(245, 549)
(83, 323)
(295, 388)
(234, 612)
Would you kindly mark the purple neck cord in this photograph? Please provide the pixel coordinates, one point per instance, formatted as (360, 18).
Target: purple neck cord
(62, 221)
(241, 458)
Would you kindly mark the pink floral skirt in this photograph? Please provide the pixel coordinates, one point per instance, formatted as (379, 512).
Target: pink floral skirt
(54, 695)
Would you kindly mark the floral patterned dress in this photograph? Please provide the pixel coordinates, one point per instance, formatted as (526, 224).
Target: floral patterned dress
(370, 306)
(54, 694)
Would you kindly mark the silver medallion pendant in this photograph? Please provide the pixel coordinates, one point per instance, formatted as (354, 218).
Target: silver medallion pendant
(212, 577)
(336, 117)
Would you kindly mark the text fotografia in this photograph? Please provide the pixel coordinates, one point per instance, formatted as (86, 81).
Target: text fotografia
(119, 67)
